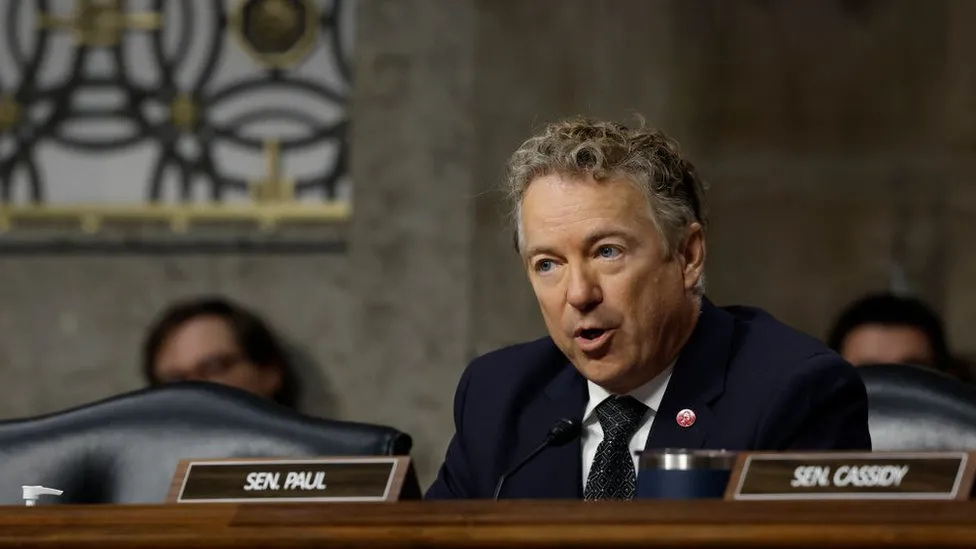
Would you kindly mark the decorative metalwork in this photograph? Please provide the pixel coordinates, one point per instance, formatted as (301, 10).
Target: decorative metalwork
(277, 33)
(186, 132)
(275, 187)
(9, 113)
(100, 22)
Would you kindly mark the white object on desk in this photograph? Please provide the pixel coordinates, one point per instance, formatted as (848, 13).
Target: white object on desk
(31, 493)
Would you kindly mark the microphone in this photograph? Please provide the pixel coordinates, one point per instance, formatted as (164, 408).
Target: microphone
(563, 432)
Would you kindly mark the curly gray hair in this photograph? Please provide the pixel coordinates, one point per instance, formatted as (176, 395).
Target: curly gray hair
(605, 150)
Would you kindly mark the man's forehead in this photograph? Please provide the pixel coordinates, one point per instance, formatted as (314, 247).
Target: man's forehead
(557, 196)
(555, 205)
(203, 333)
(190, 358)
(204, 326)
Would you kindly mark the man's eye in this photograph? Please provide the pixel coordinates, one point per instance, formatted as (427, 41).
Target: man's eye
(609, 252)
(544, 265)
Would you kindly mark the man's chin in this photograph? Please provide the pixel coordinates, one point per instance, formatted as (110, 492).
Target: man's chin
(604, 373)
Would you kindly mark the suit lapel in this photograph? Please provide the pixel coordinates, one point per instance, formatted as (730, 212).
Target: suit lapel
(697, 380)
(557, 471)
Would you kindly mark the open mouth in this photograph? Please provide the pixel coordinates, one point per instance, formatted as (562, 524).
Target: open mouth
(592, 333)
(593, 340)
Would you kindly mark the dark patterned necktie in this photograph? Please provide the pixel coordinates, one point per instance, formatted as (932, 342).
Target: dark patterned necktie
(612, 474)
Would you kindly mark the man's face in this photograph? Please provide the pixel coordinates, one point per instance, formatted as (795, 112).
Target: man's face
(883, 344)
(613, 302)
(204, 349)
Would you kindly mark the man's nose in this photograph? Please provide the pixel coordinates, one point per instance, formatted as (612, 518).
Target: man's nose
(583, 291)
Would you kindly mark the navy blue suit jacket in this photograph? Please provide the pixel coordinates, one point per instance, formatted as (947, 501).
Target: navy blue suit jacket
(753, 382)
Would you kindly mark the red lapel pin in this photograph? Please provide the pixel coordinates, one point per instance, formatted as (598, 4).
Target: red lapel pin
(686, 418)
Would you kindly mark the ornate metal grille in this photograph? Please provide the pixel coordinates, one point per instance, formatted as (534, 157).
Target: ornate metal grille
(180, 112)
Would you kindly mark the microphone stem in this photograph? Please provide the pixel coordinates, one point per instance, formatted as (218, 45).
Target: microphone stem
(528, 458)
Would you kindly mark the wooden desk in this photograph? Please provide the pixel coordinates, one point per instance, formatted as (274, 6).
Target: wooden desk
(485, 524)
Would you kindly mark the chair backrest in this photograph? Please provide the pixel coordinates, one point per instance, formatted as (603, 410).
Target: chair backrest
(125, 449)
(916, 408)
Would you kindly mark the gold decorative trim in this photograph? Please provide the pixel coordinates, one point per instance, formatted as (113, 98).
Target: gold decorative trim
(294, 54)
(90, 218)
(100, 22)
(274, 187)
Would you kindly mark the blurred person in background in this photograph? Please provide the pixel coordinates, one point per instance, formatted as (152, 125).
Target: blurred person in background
(213, 339)
(884, 328)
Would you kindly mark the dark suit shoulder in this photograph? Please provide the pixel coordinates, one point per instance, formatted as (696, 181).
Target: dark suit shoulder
(491, 419)
(806, 395)
(758, 334)
(518, 364)
(769, 359)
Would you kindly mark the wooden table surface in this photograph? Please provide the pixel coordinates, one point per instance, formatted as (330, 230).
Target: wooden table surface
(520, 524)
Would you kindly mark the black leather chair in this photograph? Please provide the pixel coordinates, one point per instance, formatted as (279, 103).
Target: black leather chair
(915, 408)
(125, 449)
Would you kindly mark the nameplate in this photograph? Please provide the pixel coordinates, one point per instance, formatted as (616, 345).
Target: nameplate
(290, 480)
(852, 476)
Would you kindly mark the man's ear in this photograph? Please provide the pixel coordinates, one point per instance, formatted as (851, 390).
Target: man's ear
(692, 255)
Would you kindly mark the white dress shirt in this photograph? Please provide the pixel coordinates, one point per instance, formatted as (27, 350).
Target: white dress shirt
(650, 394)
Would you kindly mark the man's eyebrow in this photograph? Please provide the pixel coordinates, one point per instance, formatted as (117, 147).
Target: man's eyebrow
(539, 250)
(589, 241)
(601, 234)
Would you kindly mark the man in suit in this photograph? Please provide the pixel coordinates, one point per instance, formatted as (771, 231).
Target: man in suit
(610, 225)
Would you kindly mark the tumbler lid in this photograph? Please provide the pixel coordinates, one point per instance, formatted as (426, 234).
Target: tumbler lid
(676, 459)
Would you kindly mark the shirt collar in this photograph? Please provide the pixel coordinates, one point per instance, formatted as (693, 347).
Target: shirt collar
(650, 393)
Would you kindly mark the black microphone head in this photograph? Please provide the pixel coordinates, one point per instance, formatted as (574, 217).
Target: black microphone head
(564, 431)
